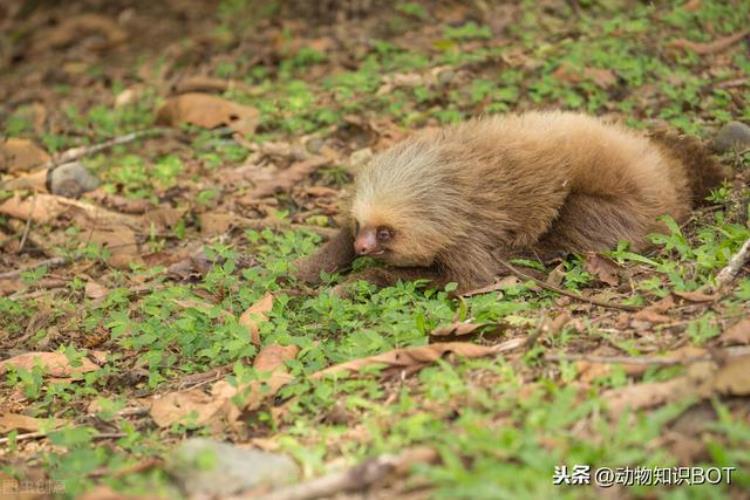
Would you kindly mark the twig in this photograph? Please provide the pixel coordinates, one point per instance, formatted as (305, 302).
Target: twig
(710, 47)
(41, 435)
(356, 478)
(27, 228)
(738, 260)
(207, 83)
(551, 288)
(81, 151)
(53, 262)
(644, 360)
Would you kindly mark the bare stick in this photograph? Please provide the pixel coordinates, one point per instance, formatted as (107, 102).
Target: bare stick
(731, 270)
(81, 151)
(53, 262)
(356, 478)
(644, 360)
(41, 435)
(28, 225)
(206, 83)
(551, 288)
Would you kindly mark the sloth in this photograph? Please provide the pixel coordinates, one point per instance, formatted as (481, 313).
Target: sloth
(450, 206)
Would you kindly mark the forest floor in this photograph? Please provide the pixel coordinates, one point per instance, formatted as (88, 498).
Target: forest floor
(154, 308)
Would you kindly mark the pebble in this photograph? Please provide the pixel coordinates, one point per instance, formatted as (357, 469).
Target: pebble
(71, 180)
(733, 135)
(204, 467)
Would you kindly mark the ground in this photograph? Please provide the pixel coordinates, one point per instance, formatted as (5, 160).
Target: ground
(158, 306)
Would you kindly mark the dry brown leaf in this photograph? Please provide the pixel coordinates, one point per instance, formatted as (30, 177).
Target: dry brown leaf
(14, 421)
(457, 329)
(17, 155)
(733, 378)
(55, 364)
(39, 207)
(213, 223)
(208, 111)
(662, 305)
(649, 395)
(589, 371)
(556, 276)
(269, 360)
(287, 178)
(121, 243)
(602, 268)
(737, 334)
(603, 78)
(710, 47)
(129, 96)
(75, 28)
(166, 257)
(176, 406)
(95, 291)
(651, 316)
(217, 407)
(44, 208)
(553, 327)
(88, 215)
(415, 357)
(255, 314)
(697, 296)
(202, 83)
(692, 5)
(163, 217)
(274, 356)
(8, 286)
(34, 181)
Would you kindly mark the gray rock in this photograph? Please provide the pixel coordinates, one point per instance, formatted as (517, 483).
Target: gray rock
(71, 180)
(733, 135)
(204, 467)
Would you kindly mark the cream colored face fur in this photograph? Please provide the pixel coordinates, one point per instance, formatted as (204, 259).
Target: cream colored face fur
(392, 193)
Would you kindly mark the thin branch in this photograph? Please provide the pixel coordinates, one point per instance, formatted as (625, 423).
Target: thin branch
(27, 228)
(42, 435)
(736, 263)
(644, 360)
(551, 288)
(81, 151)
(50, 263)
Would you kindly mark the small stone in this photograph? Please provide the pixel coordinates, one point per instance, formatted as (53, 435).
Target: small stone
(71, 180)
(733, 135)
(207, 468)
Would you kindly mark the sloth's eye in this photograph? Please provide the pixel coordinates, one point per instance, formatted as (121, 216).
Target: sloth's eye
(384, 234)
(356, 227)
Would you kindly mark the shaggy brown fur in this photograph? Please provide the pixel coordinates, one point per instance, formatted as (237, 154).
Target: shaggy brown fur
(537, 184)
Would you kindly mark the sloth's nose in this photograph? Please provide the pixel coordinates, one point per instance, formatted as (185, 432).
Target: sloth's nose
(366, 242)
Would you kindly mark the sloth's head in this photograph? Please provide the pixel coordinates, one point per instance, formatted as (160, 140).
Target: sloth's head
(402, 205)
